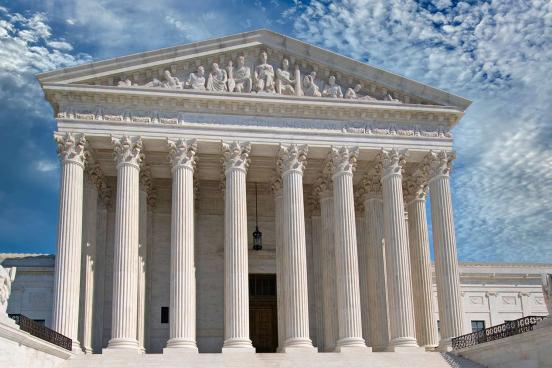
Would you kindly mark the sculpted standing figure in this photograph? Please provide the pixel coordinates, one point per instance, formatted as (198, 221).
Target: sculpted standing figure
(217, 79)
(242, 77)
(196, 81)
(7, 275)
(230, 73)
(284, 84)
(310, 88)
(264, 75)
(332, 89)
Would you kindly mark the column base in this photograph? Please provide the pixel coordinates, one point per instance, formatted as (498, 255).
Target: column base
(237, 345)
(351, 344)
(445, 345)
(404, 344)
(295, 345)
(122, 345)
(76, 347)
(180, 346)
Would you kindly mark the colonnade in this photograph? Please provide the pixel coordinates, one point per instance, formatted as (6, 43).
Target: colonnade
(395, 252)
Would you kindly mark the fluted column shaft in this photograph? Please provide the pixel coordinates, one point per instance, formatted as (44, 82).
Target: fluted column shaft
(328, 273)
(444, 243)
(236, 289)
(426, 329)
(90, 216)
(125, 255)
(182, 309)
(317, 280)
(296, 289)
(401, 311)
(65, 307)
(280, 286)
(142, 258)
(346, 257)
(363, 276)
(377, 283)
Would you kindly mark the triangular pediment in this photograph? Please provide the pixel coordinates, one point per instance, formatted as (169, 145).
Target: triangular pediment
(310, 72)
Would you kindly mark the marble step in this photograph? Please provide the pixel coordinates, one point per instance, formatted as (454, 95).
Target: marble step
(244, 360)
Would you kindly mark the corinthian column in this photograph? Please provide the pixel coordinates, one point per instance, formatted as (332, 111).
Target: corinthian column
(278, 234)
(375, 260)
(426, 329)
(292, 163)
(324, 189)
(346, 256)
(128, 155)
(183, 284)
(444, 243)
(145, 186)
(401, 312)
(65, 308)
(94, 177)
(236, 289)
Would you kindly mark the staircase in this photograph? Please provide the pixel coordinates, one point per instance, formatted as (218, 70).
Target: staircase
(456, 361)
(289, 360)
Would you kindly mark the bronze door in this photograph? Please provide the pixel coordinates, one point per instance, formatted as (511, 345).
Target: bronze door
(263, 319)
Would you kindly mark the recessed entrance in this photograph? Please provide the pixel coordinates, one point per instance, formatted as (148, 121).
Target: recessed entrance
(263, 318)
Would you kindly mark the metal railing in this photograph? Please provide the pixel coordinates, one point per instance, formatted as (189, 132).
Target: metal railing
(497, 332)
(42, 332)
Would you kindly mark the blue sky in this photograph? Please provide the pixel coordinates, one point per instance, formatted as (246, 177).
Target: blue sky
(497, 53)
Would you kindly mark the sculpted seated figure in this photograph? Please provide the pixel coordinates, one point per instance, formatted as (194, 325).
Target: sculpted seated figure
(7, 275)
(352, 93)
(284, 84)
(242, 76)
(217, 79)
(309, 87)
(196, 81)
(332, 89)
(264, 75)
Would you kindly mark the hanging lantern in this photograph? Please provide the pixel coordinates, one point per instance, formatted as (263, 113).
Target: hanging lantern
(257, 235)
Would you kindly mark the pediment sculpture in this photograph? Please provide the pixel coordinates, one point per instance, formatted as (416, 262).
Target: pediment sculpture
(7, 275)
(263, 78)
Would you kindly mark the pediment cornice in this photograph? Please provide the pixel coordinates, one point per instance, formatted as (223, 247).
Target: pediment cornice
(150, 69)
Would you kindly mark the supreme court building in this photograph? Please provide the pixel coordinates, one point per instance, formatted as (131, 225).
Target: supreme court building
(252, 192)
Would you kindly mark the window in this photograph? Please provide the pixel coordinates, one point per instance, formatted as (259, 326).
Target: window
(477, 326)
(164, 314)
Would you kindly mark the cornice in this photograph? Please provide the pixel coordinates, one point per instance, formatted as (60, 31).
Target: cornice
(166, 58)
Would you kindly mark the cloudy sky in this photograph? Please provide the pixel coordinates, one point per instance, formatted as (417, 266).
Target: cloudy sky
(497, 53)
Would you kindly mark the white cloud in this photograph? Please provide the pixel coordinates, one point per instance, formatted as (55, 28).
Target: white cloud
(46, 166)
(498, 53)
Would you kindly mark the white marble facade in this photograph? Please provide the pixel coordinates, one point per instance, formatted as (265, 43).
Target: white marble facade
(160, 154)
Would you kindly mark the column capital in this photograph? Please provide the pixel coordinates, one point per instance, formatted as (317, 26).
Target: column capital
(438, 164)
(105, 193)
(71, 147)
(415, 186)
(392, 161)
(146, 184)
(236, 156)
(128, 150)
(277, 185)
(182, 153)
(370, 184)
(343, 160)
(292, 157)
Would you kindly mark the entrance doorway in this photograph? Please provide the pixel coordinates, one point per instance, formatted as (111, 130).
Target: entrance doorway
(263, 318)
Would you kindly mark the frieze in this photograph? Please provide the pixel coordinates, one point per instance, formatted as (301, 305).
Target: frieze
(349, 128)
